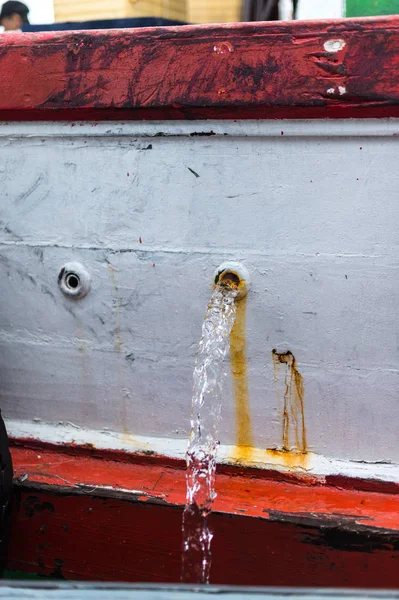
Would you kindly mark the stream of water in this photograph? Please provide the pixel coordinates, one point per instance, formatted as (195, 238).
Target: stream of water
(203, 442)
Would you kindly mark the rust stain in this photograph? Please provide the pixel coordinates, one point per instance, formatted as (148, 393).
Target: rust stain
(118, 348)
(82, 345)
(238, 361)
(119, 342)
(84, 365)
(291, 460)
(293, 410)
(230, 279)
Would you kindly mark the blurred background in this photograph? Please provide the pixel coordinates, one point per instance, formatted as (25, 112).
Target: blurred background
(61, 14)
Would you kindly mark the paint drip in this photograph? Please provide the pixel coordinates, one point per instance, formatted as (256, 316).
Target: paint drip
(202, 447)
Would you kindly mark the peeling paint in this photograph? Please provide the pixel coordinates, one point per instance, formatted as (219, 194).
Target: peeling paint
(340, 89)
(290, 460)
(126, 447)
(334, 45)
(320, 535)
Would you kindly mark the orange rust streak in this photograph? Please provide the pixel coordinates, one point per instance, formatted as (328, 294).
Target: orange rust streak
(238, 361)
(285, 458)
(286, 416)
(294, 409)
(256, 496)
(299, 404)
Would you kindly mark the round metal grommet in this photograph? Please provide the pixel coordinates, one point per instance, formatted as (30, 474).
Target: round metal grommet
(74, 280)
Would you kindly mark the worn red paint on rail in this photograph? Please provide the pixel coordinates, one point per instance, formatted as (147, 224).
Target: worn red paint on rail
(67, 524)
(240, 494)
(263, 70)
(152, 458)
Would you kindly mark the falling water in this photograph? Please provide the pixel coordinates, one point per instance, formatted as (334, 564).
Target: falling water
(203, 442)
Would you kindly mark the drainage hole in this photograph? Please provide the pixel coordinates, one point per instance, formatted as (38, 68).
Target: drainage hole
(72, 281)
(229, 279)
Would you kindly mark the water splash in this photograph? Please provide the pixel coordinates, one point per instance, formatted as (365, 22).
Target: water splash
(203, 442)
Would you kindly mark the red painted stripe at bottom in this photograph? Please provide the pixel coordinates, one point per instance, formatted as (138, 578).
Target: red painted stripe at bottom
(240, 494)
(265, 532)
(91, 538)
(151, 458)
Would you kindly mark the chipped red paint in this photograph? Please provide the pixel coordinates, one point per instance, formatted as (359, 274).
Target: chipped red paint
(240, 494)
(151, 458)
(266, 532)
(93, 538)
(89, 450)
(257, 70)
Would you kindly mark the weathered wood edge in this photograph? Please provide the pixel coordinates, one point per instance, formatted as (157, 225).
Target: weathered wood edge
(336, 69)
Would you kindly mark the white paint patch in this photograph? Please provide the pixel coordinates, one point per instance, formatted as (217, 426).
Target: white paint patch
(316, 465)
(334, 45)
(341, 90)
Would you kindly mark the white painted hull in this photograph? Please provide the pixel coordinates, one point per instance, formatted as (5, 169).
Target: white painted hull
(309, 207)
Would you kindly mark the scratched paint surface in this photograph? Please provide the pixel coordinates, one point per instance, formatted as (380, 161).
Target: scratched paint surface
(233, 71)
(254, 494)
(164, 213)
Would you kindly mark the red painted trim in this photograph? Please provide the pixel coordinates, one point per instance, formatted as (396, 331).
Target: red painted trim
(241, 494)
(259, 70)
(91, 538)
(151, 458)
(265, 532)
(90, 451)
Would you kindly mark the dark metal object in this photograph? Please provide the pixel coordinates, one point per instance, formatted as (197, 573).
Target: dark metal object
(6, 474)
(261, 10)
(264, 10)
(105, 24)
